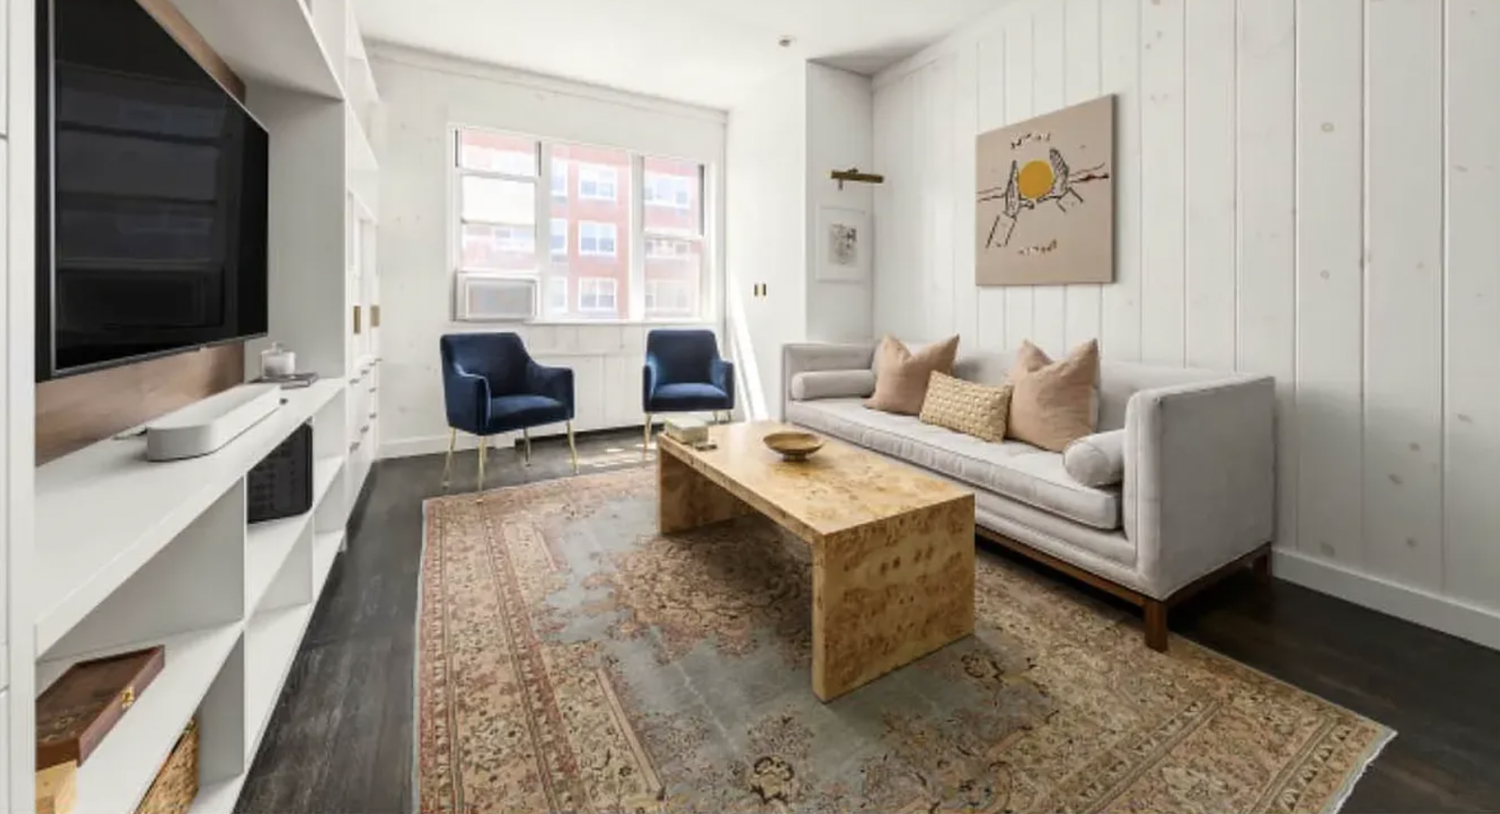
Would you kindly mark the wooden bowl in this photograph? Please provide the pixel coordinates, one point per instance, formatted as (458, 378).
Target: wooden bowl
(794, 446)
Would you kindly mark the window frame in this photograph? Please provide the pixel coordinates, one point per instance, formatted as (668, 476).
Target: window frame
(633, 226)
(614, 295)
(594, 173)
(614, 239)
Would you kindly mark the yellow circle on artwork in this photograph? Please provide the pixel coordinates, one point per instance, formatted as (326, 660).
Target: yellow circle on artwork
(1035, 180)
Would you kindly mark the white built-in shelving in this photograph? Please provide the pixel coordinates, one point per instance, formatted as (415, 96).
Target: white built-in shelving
(165, 556)
(127, 554)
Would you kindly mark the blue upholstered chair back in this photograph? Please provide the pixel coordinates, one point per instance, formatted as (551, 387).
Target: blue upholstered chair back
(681, 356)
(498, 357)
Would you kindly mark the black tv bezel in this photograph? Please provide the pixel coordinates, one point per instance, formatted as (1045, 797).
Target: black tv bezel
(46, 297)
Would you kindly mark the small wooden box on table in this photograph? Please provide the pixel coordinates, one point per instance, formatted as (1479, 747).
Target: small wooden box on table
(893, 548)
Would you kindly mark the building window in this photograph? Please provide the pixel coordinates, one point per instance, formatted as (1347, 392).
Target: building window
(596, 239)
(597, 182)
(552, 211)
(669, 297)
(557, 295)
(665, 248)
(597, 294)
(659, 189)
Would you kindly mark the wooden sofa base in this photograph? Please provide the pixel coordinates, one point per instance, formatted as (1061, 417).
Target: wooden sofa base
(1155, 610)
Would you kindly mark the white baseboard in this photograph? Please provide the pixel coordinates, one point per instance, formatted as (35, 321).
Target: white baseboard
(438, 444)
(1453, 616)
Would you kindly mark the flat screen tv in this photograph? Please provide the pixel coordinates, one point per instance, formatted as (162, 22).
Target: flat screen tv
(151, 186)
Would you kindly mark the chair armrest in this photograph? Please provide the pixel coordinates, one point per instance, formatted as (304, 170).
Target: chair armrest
(721, 375)
(807, 357)
(1200, 477)
(648, 383)
(467, 399)
(553, 382)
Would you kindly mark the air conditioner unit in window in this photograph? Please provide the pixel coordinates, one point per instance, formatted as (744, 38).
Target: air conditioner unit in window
(492, 298)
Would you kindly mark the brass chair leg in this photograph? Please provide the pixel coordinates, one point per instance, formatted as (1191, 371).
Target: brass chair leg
(448, 462)
(484, 443)
(572, 448)
(646, 439)
(526, 442)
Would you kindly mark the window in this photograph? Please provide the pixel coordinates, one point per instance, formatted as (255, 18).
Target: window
(596, 294)
(605, 233)
(596, 239)
(659, 189)
(596, 182)
(496, 202)
(662, 248)
(666, 297)
(557, 296)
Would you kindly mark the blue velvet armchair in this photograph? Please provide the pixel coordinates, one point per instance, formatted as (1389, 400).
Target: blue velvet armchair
(491, 385)
(684, 373)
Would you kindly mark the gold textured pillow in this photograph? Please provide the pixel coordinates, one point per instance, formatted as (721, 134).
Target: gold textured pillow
(1052, 403)
(901, 376)
(972, 409)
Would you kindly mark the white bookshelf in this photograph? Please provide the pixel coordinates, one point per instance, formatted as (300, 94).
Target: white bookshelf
(104, 552)
(170, 559)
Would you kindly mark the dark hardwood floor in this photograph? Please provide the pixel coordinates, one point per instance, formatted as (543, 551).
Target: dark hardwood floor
(341, 738)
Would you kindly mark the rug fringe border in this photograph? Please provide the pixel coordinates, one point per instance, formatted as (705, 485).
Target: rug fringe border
(416, 675)
(1368, 760)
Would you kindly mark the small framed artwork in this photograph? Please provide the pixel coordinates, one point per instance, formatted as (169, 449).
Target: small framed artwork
(843, 245)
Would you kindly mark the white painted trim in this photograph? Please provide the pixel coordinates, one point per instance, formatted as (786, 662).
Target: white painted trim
(1456, 617)
(459, 66)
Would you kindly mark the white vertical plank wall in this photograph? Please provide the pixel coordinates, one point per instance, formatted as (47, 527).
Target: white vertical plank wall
(1211, 184)
(989, 104)
(1019, 91)
(1403, 506)
(1304, 188)
(1471, 418)
(1330, 279)
(1048, 34)
(1081, 68)
(1162, 182)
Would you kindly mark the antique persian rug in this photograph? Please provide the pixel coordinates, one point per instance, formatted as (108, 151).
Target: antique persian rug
(572, 659)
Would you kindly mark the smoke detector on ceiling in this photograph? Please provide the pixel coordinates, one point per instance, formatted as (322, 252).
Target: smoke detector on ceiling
(786, 41)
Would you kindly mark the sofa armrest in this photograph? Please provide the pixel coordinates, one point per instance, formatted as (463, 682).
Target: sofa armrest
(808, 357)
(1200, 477)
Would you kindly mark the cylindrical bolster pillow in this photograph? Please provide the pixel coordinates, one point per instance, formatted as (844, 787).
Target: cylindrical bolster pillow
(833, 384)
(1097, 460)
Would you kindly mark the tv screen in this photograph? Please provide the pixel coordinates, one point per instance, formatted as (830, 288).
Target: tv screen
(152, 184)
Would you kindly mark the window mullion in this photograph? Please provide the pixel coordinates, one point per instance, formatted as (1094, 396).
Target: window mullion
(637, 237)
(543, 204)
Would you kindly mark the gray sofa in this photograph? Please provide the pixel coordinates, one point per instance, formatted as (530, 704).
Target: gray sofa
(1197, 498)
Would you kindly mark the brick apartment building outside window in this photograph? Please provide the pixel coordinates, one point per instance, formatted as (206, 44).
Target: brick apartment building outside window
(603, 260)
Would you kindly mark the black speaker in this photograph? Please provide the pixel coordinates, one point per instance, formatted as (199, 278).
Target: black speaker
(281, 485)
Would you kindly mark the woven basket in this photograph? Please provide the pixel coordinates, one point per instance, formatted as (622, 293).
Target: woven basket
(176, 785)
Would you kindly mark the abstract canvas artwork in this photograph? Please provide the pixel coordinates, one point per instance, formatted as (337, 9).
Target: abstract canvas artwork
(1045, 203)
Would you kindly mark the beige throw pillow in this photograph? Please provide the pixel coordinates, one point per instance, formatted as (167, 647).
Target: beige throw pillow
(972, 409)
(901, 376)
(1053, 402)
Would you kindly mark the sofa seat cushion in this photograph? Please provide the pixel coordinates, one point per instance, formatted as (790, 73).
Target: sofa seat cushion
(1013, 469)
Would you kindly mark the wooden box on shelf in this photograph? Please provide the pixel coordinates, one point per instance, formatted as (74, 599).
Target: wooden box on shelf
(176, 785)
(79, 710)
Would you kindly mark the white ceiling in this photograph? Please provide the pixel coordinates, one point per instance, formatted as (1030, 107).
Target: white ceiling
(708, 52)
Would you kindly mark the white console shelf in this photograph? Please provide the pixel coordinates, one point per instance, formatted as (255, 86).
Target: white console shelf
(131, 553)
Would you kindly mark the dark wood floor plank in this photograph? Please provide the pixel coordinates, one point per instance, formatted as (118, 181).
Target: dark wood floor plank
(341, 738)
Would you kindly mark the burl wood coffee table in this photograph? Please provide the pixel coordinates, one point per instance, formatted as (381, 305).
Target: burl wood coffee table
(892, 548)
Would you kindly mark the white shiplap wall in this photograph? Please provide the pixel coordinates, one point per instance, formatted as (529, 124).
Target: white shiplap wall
(1305, 188)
